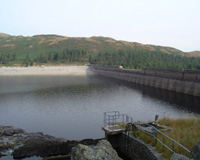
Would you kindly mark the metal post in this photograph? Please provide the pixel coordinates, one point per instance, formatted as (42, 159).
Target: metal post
(105, 119)
(173, 145)
(112, 120)
(155, 138)
(163, 143)
(108, 120)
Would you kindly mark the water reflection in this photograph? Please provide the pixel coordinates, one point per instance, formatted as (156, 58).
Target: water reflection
(72, 106)
(180, 101)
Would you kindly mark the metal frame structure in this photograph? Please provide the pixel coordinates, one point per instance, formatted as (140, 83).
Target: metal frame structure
(114, 118)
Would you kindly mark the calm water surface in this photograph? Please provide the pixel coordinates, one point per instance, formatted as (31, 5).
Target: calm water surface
(72, 107)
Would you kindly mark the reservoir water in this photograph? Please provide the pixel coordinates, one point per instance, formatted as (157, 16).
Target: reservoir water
(72, 107)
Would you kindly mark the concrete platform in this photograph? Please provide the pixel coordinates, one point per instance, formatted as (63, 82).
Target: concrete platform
(114, 129)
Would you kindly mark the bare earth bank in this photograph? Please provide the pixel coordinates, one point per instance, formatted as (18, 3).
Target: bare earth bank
(46, 70)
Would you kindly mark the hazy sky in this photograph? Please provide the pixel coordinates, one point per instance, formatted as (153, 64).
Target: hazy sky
(174, 23)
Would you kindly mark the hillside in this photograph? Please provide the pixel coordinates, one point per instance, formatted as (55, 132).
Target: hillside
(98, 50)
(47, 43)
(194, 54)
(4, 35)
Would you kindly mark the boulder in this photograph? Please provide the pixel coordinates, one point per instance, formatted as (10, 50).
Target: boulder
(103, 150)
(105, 147)
(27, 144)
(176, 156)
(9, 131)
(42, 149)
(195, 152)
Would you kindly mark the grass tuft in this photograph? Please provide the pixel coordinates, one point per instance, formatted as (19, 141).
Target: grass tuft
(184, 131)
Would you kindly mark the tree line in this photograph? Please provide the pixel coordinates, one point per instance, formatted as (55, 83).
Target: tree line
(6, 58)
(139, 59)
(130, 58)
(63, 56)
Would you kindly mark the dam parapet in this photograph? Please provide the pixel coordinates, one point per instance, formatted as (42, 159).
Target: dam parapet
(184, 81)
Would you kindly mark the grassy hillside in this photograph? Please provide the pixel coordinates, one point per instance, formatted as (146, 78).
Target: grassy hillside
(47, 43)
(19, 49)
(194, 54)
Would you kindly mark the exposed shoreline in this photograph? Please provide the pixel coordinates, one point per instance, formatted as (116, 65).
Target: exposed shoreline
(16, 143)
(45, 70)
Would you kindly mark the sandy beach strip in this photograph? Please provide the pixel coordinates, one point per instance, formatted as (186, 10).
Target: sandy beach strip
(45, 70)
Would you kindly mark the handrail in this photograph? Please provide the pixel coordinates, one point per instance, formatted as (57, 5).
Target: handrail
(113, 117)
(155, 130)
(107, 114)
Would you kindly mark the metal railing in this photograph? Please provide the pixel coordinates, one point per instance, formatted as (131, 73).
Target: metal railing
(114, 117)
(164, 137)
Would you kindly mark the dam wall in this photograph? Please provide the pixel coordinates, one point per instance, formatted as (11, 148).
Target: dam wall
(184, 81)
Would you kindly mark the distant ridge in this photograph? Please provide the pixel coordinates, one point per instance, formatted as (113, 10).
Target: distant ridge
(48, 35)
(4, 35)
(194, 53)
(41, 44)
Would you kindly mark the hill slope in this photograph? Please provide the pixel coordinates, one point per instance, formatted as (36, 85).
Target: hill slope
(194, 54)
(98, 50)
(4, 35)
(39, 44)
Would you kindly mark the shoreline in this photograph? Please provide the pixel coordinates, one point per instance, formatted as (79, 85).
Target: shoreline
(45, 70)
(16, 143)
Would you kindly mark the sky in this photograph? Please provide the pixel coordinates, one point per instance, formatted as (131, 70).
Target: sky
(174, 23)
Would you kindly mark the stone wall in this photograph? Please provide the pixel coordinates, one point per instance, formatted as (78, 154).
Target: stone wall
(130, 148)
(185, 81)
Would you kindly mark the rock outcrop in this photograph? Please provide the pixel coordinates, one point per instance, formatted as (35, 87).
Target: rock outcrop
(9, 131)
(23, 144)
(195, 152)
(46, 148)
(103, 150)
(176, 156)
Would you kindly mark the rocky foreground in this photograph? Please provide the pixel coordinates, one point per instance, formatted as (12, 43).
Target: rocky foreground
(22, 144)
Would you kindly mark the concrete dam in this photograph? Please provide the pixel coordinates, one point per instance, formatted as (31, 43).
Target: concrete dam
(184, 81)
